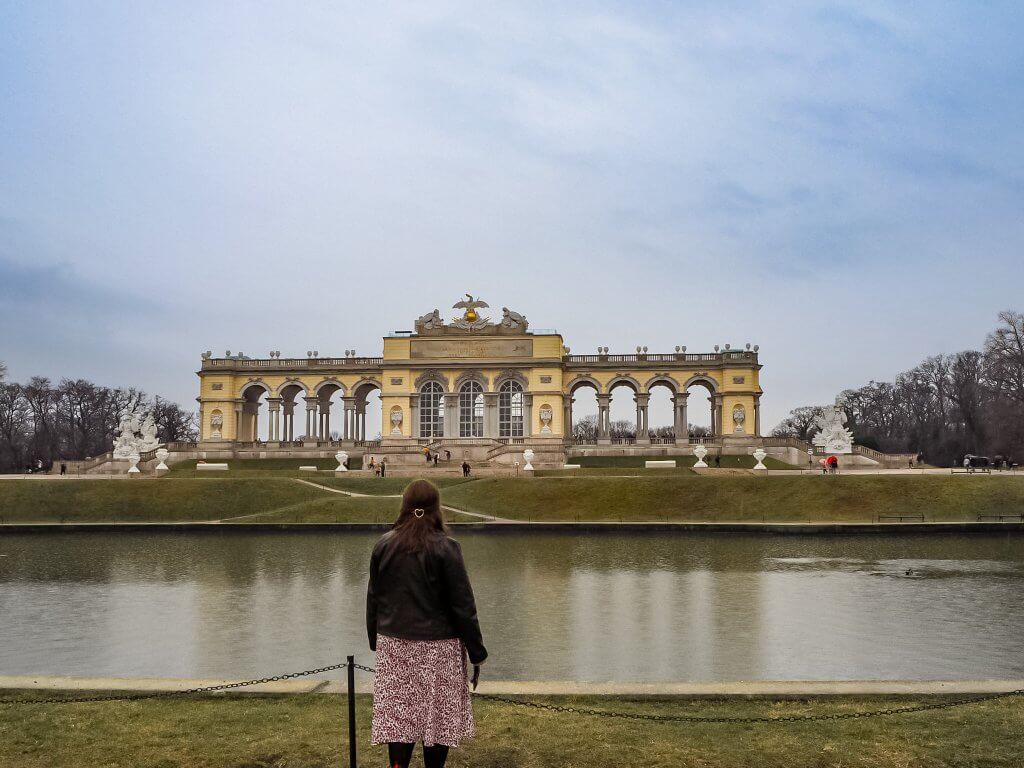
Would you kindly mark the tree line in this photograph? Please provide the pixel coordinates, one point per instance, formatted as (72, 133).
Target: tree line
(75, 419)
(945, 407)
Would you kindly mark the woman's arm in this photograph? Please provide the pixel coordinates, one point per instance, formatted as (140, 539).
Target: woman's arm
(462, 603)
(371, 604)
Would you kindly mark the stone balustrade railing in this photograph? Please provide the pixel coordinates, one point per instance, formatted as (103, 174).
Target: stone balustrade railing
(671, 357)
(294, 362)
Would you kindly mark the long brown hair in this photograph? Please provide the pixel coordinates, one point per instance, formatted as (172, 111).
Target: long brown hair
(420, 519)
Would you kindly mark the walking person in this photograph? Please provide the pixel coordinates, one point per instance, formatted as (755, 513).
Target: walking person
(465, 468)
(436, 456)
(421, 620)
(63, 468)
(383, 469)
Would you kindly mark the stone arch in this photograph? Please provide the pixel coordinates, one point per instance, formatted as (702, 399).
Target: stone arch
(431, 374)
(470, 375)
(288, 384)
(662, 380)
(701, 380)
(583, 380)
(356, 422)
(510, 375)
(332, 381)
(248, 416)
(624, 379)
(714, 401)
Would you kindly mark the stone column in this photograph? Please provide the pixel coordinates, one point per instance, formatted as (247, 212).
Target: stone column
(414, 414)
(349, 426)
(757, 415)
(238, 421)
(681, 423)
(527, 414)
(451, 414)
(719, 421)
(603, 418)
(273, 412)
(311, 412)
(490, 414)
(642, 436)
(567, 402)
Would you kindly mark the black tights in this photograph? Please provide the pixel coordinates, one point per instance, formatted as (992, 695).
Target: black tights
(400, 754)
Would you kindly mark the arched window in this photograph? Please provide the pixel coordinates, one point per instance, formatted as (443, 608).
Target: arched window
(431, 410)
(510, 409)
(471, 410)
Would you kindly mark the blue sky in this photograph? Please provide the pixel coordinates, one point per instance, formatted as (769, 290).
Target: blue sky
(841, 183)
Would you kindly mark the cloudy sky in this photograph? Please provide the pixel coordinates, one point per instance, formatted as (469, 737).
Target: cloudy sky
(841, 183)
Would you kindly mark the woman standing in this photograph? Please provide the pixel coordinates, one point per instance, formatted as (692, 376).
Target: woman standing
(421, 620)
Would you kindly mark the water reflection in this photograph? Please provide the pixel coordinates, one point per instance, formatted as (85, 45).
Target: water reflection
(553, 606)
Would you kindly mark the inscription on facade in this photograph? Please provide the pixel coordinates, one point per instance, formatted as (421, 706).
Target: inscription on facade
(739, 379)
(545, 379)
(395, 382)
(218, 385)
(470, 348)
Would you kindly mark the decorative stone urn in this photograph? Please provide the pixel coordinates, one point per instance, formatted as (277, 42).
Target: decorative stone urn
(760, 454)
(161, 456)
(546, 415)
(134, 460)
(528, 455)
(396, 422)
(341, 457)
(700, 452)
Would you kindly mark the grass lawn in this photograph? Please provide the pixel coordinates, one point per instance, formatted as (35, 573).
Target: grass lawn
(149, 500)
(604, 496)
(682, 462)
(263, 467)
(310, 731)
(800, 498)
(382, 486)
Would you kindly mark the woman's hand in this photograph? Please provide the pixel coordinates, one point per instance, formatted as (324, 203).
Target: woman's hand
(476, 675)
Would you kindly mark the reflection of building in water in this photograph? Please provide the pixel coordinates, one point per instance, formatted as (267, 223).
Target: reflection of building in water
(479, 388)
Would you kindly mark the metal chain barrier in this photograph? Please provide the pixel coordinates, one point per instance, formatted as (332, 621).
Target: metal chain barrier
(171, 694)
(544, 706)
(697, 719)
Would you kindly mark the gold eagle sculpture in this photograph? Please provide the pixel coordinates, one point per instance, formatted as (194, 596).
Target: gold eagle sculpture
(471, 305)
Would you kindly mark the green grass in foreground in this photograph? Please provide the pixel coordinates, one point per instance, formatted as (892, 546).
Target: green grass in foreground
(310, 731)
(182, 500)
(800, 498)
(607, 497)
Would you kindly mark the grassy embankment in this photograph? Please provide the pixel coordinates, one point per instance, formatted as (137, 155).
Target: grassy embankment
(308, 731)
(605, 497)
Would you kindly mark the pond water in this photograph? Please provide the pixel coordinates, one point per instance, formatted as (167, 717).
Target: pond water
(594, 607)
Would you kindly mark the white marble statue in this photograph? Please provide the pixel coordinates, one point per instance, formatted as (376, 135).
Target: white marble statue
(216, 422)
(700, 452)
(760, 455)
(161, 457)
(832, 435)
(396, 422)
(528, 455)
(135, 438)
(739, 415)
(546, 414)
(342, 458)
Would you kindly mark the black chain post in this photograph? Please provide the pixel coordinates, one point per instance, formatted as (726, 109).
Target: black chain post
(351, 665)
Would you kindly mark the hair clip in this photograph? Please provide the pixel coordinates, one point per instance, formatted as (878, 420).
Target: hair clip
(419, 511)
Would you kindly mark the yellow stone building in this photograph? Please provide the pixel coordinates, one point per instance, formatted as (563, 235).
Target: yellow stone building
(477, 387)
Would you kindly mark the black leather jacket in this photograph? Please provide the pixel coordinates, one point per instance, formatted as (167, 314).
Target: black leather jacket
(422, 596)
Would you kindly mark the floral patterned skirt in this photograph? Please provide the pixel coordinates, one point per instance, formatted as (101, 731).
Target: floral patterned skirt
(420, 692)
